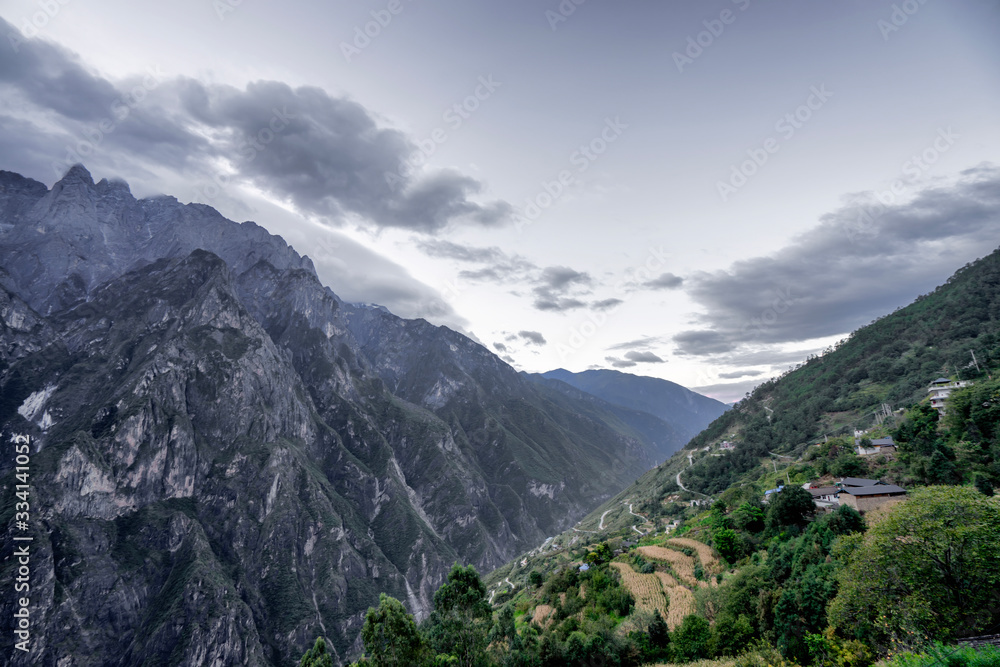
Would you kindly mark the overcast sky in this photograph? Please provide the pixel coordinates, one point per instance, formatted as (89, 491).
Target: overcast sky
(700, 191)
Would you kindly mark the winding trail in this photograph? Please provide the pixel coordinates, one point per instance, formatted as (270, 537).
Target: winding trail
(681, 484)
(601, 527)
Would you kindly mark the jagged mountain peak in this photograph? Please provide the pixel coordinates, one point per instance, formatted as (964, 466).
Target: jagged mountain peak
(210, 422)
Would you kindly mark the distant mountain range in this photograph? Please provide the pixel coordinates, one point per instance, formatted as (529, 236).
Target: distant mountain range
(229, 460)
(666, 414)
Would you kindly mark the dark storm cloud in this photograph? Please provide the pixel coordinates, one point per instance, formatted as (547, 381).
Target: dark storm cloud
(664, 281)
(620, 363)
(862, 261)
(325, 155)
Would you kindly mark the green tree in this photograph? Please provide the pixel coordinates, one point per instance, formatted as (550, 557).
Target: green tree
(849, 465)
(602, 553)
(462, 617)
(749, 517)
(728, 544)
(930, 567)
(690, 640)
(317, 656)
(659, 633)
(390, 635)
(792, 507)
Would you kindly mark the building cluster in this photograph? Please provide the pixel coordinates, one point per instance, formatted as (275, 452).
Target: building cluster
(861, 494)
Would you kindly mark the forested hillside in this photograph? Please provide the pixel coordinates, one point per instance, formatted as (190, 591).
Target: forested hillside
(691, 562)
(891, 361)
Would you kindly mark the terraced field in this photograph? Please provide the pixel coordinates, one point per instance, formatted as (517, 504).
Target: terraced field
(543, 612)
(705, 553)
(645, 588)
(681, 600)
(681, 564)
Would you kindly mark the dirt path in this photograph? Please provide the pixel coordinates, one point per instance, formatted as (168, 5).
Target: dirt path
(601, 527)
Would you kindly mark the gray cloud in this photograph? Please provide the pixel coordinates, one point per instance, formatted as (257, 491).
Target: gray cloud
(606, 304)
(728, 392)
(740, 374)
(532, 337)
(499, 347)
(500, 267)
(325, 155)
(644, 357)
(557, 287)
(861, 262)
(641, 343)
(620, 363)
(665, 281)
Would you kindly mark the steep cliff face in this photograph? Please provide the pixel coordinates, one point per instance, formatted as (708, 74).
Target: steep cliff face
(228, 460)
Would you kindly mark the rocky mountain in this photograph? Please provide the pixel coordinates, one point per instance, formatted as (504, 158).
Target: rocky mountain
(228, 460)
(666, 413)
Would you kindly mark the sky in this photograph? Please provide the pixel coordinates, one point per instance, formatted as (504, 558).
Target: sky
(702, 191)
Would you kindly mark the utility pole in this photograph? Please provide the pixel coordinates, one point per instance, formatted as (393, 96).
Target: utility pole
(975, 361)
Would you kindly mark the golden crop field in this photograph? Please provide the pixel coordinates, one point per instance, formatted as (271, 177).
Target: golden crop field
(645, 588)
(705, 553)
(542, 614)
(683, 565)
(681, 604)
(667, 580)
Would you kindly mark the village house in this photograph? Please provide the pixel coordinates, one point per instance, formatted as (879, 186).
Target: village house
(867, 498)
(878, 446)
(825, 497)
(941, 389)
(858, 482)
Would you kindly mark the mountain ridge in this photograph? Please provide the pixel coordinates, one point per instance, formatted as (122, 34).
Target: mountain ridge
(210, 422)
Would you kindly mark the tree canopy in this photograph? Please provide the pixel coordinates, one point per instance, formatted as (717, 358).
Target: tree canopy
(930, 569)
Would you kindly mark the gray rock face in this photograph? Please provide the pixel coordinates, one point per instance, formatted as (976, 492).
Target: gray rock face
(228, 460)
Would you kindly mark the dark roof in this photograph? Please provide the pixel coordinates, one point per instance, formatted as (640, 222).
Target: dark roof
(883, 441)
(941, 381)
(824, 491)
(880, 490)
(859, 481)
